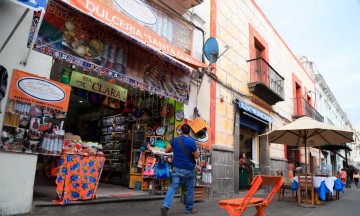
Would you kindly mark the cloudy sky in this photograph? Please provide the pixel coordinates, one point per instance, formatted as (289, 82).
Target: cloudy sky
(328, 33)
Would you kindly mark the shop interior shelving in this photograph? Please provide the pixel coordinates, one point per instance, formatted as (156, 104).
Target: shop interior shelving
(138, 140)
(116, 152)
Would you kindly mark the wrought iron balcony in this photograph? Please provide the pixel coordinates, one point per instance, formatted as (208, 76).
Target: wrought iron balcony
(190, 3)
(303, 108)
(265, 82)
(187, 4)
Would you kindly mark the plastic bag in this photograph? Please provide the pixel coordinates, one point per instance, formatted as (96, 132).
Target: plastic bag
(162, 170)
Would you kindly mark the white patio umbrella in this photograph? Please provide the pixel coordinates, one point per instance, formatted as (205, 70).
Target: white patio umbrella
(307, 132)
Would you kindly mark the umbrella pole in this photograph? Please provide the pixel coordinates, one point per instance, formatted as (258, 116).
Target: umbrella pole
(320, 159)
(306, 188)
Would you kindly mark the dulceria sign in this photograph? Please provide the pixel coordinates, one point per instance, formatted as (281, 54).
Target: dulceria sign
(122, 22)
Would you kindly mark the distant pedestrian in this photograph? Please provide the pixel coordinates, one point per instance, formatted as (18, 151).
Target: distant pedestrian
(356, 177)
(298, 168)
(290, 170)
(343, 175)
(243, 171)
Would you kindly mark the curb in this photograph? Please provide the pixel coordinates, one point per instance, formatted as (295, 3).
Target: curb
(102, 200)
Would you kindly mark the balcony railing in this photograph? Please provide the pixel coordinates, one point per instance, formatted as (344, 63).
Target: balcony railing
(187, 4)
(265, 82)
(303, 108)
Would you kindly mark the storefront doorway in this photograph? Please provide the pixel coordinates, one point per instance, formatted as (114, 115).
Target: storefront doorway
(248, 150)
(124, 128)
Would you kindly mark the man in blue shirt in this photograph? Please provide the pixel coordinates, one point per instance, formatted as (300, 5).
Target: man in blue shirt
(184, 148)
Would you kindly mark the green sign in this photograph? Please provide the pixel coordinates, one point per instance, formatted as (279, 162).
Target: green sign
(99, 86)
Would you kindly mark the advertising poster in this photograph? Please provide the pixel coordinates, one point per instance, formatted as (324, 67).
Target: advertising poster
(35, 106)
(36, 90)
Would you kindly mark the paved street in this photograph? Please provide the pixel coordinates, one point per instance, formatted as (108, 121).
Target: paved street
(348, 205)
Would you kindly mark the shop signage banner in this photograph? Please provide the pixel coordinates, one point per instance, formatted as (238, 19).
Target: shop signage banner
(198, 124)
(252, 110)
(99, 86)
(36, 90)
(32, 4)
(67, 34)
(116, 19)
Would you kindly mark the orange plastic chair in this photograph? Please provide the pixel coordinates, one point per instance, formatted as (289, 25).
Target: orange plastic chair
(237, 206)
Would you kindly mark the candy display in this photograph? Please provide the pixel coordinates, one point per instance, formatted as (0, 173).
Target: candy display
(82, 148)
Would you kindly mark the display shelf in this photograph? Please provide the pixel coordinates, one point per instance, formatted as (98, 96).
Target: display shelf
(105, 125)
(115, 132)
(117, 149)
(113, 150)
(115, 141)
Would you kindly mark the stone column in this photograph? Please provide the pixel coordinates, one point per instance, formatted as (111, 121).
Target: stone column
(264, 156)
(236, 149)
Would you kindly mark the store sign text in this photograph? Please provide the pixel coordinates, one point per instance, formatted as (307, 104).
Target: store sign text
(137, 10)
(40, 89)
(99, 86)
(254, 111)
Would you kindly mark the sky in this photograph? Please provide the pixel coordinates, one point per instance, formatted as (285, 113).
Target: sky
(327, 32)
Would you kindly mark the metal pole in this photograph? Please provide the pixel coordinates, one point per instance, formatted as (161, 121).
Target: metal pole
(320, 159)
(34, 38)
(14, 29)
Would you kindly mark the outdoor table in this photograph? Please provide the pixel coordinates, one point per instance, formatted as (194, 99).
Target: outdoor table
(78, 177)
(323, 185)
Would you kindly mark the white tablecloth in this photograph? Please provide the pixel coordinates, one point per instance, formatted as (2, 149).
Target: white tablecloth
(329, 182)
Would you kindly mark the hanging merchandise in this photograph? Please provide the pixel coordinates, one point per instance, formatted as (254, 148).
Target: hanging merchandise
(149, 169)
(141, 159)
(161, 144)
(179, 115)
(162, 170)
(3, 82)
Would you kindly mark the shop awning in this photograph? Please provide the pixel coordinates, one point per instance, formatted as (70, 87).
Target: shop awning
(127, 27)
(315, 152)
(253, 112)
(69, 35)
(334, 147)
(340, 155)
(353, 164)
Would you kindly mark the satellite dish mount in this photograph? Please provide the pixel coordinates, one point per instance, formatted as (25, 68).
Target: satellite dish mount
(211, 50)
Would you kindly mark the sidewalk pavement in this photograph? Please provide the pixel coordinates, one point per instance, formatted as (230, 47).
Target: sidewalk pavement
(347, 205)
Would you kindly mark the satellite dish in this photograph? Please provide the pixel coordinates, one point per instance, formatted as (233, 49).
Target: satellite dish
(211, 49)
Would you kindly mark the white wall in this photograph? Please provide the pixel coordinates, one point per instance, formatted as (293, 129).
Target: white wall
(16, 50)
(17, 170)
(16, 182)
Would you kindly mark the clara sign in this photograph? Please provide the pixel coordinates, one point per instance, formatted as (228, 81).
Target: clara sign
(137, 10)
(99, 86)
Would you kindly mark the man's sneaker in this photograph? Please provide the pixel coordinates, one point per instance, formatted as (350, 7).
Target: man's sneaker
(193, 211)
(164, 211)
